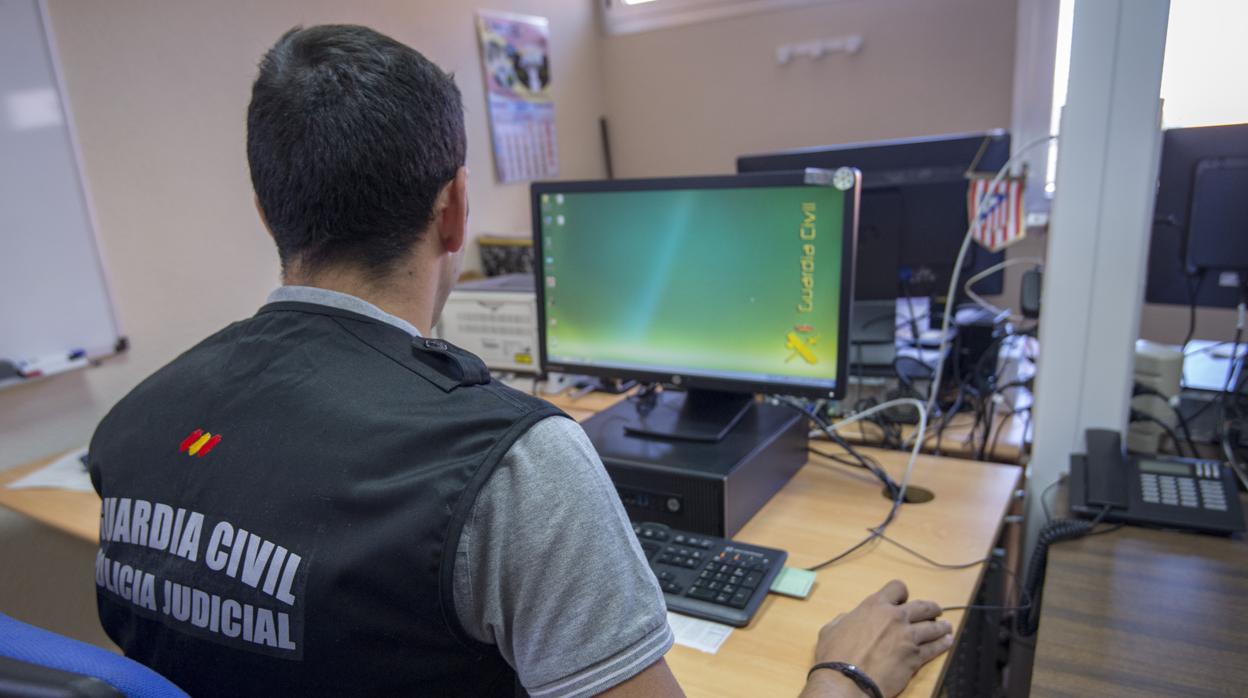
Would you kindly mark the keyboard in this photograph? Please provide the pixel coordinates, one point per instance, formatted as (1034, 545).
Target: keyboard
(709, 577)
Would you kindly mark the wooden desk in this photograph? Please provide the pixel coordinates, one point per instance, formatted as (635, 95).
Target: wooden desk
(826, 508)
(585, 406)
(75, 513)
(1144, 613)
(957, 440)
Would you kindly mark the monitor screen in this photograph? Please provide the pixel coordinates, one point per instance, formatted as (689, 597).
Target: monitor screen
(732, 287)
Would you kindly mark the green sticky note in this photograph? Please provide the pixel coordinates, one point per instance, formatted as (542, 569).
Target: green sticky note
(794, 582)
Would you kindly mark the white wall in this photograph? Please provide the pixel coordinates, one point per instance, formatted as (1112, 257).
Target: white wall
(688, 100)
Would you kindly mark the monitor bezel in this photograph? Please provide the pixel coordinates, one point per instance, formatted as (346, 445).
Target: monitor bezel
(693, 381)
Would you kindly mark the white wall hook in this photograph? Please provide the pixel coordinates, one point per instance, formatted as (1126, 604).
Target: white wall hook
(818, 48)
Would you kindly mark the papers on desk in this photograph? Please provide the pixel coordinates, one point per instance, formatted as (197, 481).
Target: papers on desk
(64, 473)
(701, 635)
(1205, 365)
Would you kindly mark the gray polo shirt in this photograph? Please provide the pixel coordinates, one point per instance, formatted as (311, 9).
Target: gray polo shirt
(548, 569)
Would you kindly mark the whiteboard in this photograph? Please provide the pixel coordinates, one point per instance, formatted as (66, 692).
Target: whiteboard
(55, 309)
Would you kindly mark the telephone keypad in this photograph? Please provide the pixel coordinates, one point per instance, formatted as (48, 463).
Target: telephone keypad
(1149, 488)
(1204, 490)
(1211, 492)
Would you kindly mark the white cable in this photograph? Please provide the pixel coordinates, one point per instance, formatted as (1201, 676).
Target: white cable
(957, 268)
(983, 303)
(918, 442)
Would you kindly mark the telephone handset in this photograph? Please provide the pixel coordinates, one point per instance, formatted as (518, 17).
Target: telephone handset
(1169, 492)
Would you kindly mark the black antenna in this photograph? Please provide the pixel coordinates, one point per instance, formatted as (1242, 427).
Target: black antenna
(606, 147)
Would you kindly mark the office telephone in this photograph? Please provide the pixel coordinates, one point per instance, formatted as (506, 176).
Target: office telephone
(1168, 492)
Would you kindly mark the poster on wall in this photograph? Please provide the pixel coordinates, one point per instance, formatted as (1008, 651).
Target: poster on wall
(515, 57)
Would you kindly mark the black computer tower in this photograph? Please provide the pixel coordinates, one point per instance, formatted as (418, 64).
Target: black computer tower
(708, 488)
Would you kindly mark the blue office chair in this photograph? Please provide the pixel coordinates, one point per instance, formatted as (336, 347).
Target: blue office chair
(42, 663)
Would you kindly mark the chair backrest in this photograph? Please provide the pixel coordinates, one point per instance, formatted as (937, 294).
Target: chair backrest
(73, 660)
(23, 680)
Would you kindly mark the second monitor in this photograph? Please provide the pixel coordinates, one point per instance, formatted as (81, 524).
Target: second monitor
(914, 207)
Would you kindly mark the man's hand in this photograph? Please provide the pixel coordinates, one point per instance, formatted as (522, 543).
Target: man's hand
(886, 637)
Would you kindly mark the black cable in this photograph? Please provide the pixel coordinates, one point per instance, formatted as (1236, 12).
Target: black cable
(875, 533)
(889, 428)
(991, 451)
(907, 321)
(987, 386)
(991, 412)
(956, 408)
(1235, 358)
(914, 321)
(645, 399)
(1103, 531)
(1141, 389)
(992, 448)
(1230, 371)
(984, 385)
(930, 561)
(1025, 384)
(1024, 602)
(1202, 409)
(897, 499)
(1192, 292)
(1205, 349)
(1238, 392)
(859, 460)
(839, 458)
(1026, 624)
(837, 558)
(1022, 592)
(1138, 416)
(954, 356)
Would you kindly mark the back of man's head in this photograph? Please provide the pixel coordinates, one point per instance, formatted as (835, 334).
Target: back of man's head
(351, 135)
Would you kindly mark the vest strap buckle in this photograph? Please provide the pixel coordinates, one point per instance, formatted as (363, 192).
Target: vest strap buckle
(463, 367)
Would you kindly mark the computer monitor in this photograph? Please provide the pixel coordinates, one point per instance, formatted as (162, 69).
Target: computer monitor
(725, 286)
(914, 207)
(1198, 254)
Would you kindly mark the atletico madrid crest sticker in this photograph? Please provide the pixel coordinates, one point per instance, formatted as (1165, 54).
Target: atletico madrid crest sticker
(199, 443)
(996, 212)
(994, 204)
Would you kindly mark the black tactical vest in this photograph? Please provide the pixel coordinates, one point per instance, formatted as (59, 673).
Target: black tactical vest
(283, 504)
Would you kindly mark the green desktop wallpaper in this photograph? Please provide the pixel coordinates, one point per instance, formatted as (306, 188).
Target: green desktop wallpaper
(743, 281)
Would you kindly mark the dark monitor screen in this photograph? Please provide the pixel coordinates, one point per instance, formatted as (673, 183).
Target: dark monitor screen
(914, 207)
(1198, 253)
(736, 283)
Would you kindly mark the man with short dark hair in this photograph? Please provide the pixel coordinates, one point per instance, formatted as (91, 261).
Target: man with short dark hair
(322, 500)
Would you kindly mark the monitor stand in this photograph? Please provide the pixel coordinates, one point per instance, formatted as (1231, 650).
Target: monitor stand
(695, 415)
